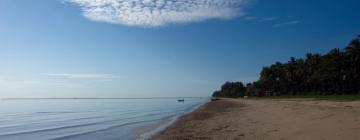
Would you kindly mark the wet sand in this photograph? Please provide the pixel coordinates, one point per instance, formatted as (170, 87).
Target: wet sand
(238, 119)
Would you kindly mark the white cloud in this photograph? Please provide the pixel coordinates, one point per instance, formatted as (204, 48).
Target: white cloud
(260, 19)
(19, 84)
(55, 85)
(287, 23)
(80, 76)
(153, 13)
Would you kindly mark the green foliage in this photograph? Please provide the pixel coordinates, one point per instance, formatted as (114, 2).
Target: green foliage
(315, 97)
(231, 90)
(335, 73)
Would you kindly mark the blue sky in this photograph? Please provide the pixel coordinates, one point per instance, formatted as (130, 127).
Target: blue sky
(106, 48)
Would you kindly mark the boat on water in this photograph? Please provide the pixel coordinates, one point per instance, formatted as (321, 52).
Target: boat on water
(181, 100)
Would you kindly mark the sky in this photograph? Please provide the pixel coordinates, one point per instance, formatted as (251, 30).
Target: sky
(158, 48)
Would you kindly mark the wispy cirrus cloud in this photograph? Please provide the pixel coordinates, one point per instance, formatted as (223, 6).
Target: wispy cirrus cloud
(294, 22)
(80, 76)
(154, 13)
(56, 80)
(260, 19)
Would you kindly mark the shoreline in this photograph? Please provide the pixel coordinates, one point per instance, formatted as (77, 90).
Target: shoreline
(151, 130)
(268, 119)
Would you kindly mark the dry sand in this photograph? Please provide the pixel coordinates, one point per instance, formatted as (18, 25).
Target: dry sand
(237, 119)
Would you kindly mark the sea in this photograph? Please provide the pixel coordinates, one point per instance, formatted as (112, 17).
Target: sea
(90, 119)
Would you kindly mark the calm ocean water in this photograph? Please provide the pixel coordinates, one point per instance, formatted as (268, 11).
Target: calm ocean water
(91, 119)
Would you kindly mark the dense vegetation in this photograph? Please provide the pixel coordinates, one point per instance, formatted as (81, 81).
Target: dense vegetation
(334, 73)
(231, 89)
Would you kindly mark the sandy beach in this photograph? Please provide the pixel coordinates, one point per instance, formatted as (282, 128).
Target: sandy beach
(238, 119)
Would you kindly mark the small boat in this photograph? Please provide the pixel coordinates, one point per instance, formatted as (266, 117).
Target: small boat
(181, 100)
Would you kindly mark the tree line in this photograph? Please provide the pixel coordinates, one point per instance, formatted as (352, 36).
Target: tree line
(334, 73)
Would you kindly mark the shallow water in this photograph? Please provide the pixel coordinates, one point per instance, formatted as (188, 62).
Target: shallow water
(90, 119)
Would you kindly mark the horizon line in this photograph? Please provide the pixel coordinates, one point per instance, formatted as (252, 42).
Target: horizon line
(94, 98)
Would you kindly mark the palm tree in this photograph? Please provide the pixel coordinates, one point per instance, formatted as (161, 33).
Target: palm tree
(337, 72)
(311, 65)
(353, 52)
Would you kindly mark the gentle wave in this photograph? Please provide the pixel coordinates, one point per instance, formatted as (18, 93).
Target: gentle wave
(81, 125)
(85, 119)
